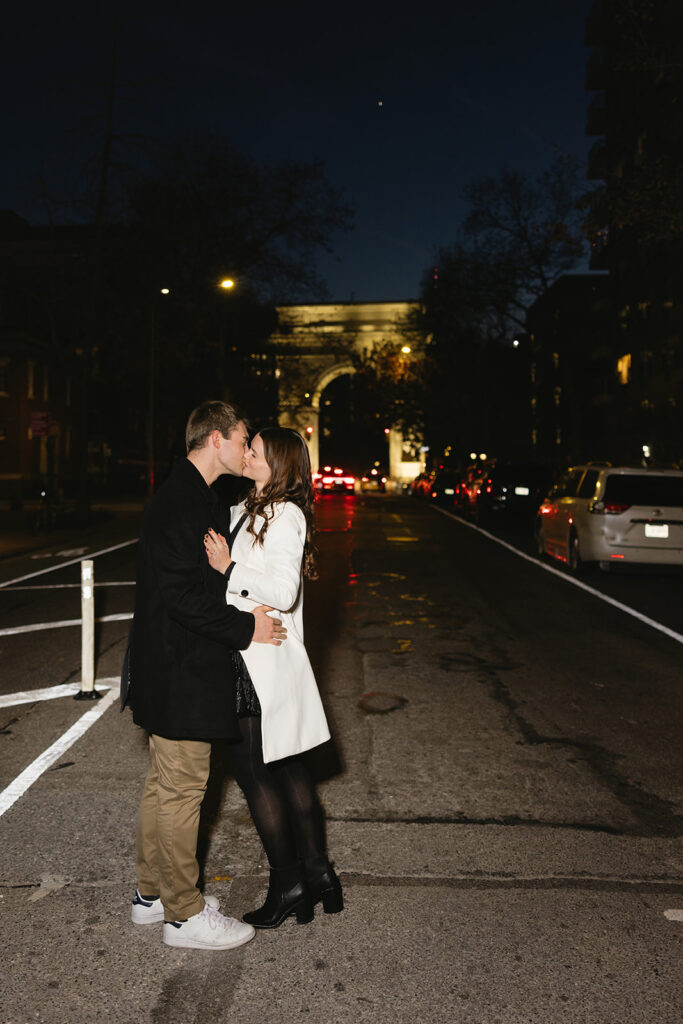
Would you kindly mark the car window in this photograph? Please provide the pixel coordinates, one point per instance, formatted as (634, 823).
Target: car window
(567, 484)
(644, 489)
(587, 487)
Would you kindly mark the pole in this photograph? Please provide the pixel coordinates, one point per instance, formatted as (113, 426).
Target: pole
(87, 691)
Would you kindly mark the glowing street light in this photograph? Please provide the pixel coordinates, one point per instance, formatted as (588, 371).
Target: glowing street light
(227, 283)
(406, 349)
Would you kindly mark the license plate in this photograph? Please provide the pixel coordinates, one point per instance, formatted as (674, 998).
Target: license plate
(521, 490)
(448, 490)
(656, 529)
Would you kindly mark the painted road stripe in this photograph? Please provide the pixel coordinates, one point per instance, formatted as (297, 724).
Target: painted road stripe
(62, 565)
(678, 637)
(37, 627)
(10, 700)
(29, 775)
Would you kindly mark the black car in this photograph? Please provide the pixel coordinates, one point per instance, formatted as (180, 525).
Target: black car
(510, 490)
(442, 487)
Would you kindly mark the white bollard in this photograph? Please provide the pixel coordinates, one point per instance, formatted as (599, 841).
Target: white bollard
(87, 691)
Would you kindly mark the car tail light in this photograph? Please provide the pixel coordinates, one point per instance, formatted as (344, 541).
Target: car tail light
(610, 508)
(328, 479)
(349, 479)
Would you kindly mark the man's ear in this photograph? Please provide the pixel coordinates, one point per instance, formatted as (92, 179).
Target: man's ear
(216, 438)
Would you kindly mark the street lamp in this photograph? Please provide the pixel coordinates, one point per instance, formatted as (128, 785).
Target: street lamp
(406, 349)
(227, 283)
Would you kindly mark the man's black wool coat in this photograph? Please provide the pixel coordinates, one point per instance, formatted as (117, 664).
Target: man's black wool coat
(181, 676)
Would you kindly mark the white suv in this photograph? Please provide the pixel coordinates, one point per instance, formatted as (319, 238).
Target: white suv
(613, 514)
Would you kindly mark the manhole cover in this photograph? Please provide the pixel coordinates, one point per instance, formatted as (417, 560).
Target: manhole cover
(377, 703)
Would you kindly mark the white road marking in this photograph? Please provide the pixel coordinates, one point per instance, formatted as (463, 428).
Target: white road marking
(62, 565)
(18, 787)
(10, 700)
(678, 637)
(37, 627)
(673, 915)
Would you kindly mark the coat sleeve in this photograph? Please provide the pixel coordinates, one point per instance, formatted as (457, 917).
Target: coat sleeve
(183, 589)
(283, 547)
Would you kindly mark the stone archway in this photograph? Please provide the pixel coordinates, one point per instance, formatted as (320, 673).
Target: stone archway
(314, 345)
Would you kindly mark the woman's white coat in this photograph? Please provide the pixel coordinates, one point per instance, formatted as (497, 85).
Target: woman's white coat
(292, 715)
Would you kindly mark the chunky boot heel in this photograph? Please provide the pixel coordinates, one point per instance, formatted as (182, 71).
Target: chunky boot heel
(287, 894)
(323, 884)
(333, 900)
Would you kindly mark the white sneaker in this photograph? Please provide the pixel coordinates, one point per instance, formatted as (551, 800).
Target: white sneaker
(152, 911)
(208, 930)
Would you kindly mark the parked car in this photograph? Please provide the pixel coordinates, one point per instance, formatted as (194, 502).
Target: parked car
(332, 478)
(510, 490)
(442, 487)
(419, 487)
(467, 490)
(373, 480)
(613, 515)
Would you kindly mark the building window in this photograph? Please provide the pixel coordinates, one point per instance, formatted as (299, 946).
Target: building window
(532, 373)
(30, 379)
(556, 360)
(46, 384)
(4, 376)
(557, 394)
(534, 437)
(624, 369)
(67, 391)
(558, 435)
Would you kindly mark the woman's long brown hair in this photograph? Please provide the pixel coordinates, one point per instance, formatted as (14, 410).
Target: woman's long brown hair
(286, 453)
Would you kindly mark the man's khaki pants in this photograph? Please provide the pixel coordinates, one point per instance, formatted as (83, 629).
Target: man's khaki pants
(168, 825)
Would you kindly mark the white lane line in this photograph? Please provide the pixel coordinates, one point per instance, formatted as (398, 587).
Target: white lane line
(11, 793)
(10, 700)
(69, 586)
(61, 565)
(678, 637)
(37, 627)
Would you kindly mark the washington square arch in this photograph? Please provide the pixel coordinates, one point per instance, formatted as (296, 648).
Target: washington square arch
(314, 345)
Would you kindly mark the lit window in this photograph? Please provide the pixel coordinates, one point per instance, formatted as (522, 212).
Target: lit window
(624, 368)
(30, 379)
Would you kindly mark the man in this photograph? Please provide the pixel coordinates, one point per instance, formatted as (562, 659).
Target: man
(182, 688)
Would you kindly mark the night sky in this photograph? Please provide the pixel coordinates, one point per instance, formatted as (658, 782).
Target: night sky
(403, 108)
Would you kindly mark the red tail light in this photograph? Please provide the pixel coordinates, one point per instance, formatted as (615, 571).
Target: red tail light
(613, 508)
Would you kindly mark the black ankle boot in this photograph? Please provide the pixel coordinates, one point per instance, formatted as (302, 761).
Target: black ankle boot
(323, 884)
(287, 894)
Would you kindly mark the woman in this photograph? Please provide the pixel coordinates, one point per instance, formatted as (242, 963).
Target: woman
(279, 707)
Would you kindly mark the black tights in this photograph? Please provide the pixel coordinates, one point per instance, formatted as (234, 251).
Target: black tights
(281, 798)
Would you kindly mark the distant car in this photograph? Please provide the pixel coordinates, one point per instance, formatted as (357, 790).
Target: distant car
(373, 480)
(613, 515)
(419, 486)
(510, 490)
(467, 489)
(330, 478)
(442, 487)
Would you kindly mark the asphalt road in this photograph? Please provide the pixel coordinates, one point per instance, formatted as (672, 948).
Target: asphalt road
(503, 798)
